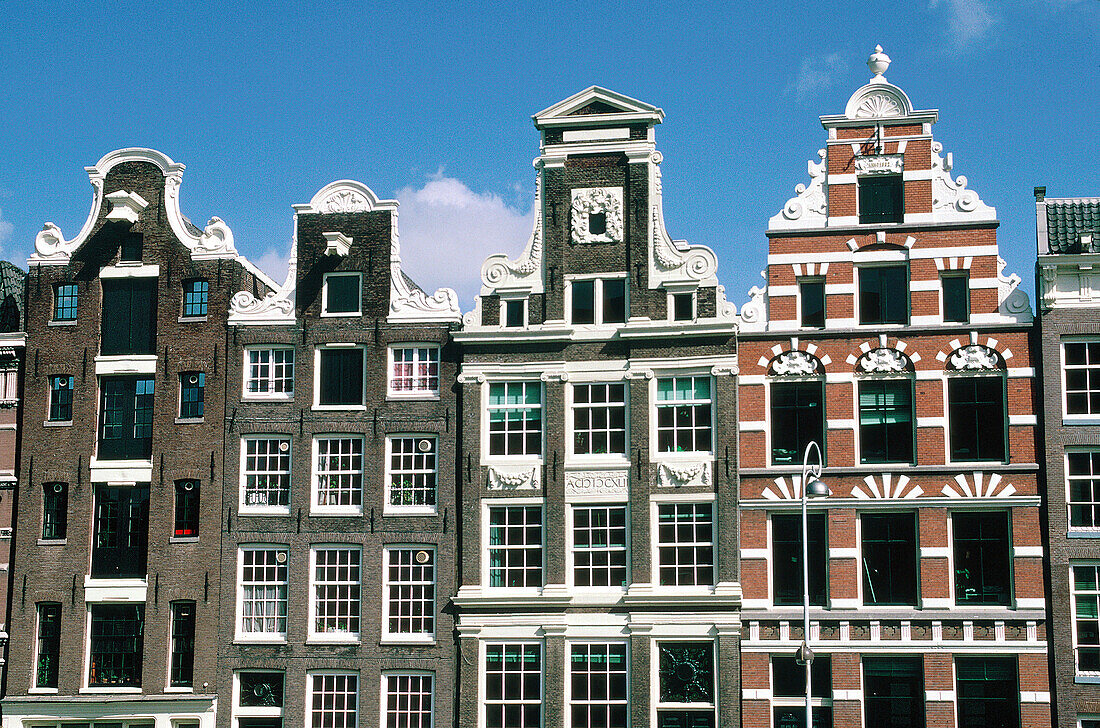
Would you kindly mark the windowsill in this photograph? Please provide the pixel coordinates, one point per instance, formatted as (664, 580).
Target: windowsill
(111, 690)
(1087, 679)
(340, 314)
(339, 408)
(189, 420)
(253, 397)
(1083, 534)
(192, 319)
(57, 423)
(263, 510)
(334, 638)
(179, 689)
(66, 322)
(42, 691)
(976, 463)
(393, 639)
(341, 512)
(183, 539)
(397, 511)
(265, 640)
(51, 542)
(429, 395)
(611, 460)
(1080, 420)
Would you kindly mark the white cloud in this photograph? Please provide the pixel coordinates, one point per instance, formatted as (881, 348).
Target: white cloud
(274, 263)
(968, 20)
(817, 73)
(447, 230)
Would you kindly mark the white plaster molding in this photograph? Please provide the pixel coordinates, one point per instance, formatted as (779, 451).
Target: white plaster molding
(874, 164)
(808, 208)
(951, 200)
(1012, 301)
(277, 307)
(337, 244)
(588, 201)
(408, 303)
(754, 314)
(125, 206)
(976, 357)
(583, 484)
(978, 486)
(674, 261)
(345, 195)
(795, 363)
(884, 361)
(678, 474)
(519, 477)
(525, 273)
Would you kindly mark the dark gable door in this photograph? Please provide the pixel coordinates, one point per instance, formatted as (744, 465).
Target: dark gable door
(129, 316)
(119, 544)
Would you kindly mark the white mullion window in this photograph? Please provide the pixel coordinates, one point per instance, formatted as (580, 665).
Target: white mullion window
(414, 371)
(1085, 587)
(685, 544)
(332, 700)
(513, 684)
(408, 592)
(599, 419)
(684, 414)
(262, 593)
(412, 473)
(515, 546)
(338, 475)
(408, 699)
(600, 546)
(265, 474)
(1083, 483)
(515, 418)
(335, 593)
(599, 695)
(1081, 372)
(269, 373)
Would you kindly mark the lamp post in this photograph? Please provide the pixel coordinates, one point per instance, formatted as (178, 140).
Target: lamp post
(812, 487)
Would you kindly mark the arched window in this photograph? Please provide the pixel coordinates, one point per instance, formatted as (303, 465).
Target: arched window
(797, 416)
(885, 393)
(976, 416)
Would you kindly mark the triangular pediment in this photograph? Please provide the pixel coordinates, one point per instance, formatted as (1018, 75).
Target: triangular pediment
(601, 103)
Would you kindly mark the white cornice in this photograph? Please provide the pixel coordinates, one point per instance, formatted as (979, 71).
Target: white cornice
(627, 110)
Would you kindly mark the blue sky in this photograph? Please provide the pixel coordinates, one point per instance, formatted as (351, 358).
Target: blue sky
(431, 104)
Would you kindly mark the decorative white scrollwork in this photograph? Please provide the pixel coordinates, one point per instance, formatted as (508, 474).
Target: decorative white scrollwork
(522, 478)
(878, 105)
(1012, 300)
(499, 272)
(884, 361)
(975, 358)
(754, 313)
(795, 363)
(950, 197)
(810, 201)
(590, 201)
(343, 200)
(677, 475)
(409, 302)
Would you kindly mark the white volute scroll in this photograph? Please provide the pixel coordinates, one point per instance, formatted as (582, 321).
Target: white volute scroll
(524, 274)
(884, 361)
(808, 207)
(407, 301)
(277, 307)
(674, 261)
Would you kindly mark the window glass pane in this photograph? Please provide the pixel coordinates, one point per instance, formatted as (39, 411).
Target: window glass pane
(987, 692)
(261, 689)
(515, 546)
(976, 408)
(1086, 619)
(684, 418)
(884, 294)
(270, 372)
(599, 546)
(342, 293)
(787, 558)
(798, 418)
(886, 421)
(893, 692)
(196, 294)
(599, 419)
(513, 685)
(129, 316)
(956, 298)
(187, 509)
(183, 644)
(598, 686)
(889, 558)
(415, 370)
(584, 302)
(982, 562)
(789, 677)
(192, 395)
(337, 584)
(686, 672)
(413, 466)
(515, 418)
(1082, 372)
(685, 544)
(683, 306)
(65, 300)
(116, 644)
(410, 591)
(339, 472)
(341, 377)
(881, 199)
(614, 301)
(1083, 475)
(55, 510)
(335, 701)
(49, 645)
(120, 531)
(409, 701)
(266, 471)
(263, 592)
(812, 299)
(513, 313)
(61, 398)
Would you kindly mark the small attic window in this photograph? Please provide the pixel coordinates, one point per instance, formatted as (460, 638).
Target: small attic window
(597, 223)
(881, 199)
(130, 249)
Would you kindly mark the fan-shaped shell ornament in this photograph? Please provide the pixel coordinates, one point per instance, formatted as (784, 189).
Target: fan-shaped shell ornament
(878, 105)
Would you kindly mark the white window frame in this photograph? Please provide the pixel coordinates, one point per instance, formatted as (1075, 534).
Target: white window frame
(570, 405)
(270, 379)
(656, 404)
(569, 645)
(384, 705)
(253, 711)
(1079, 676)
(405, 637)
(524, 308)
(348, 636)
(1094, 531)
(388, 506)
(670, 305)
(487, 409)
(260, 637)
(571, 544)
(85, 682)
(655, 677)
(799, 280)
(956, 273)
(243, 506)
(325, 313)
(326, 509)
(310, 689)
(419, 392)
(655, 553)
(483, 662)
(597, 297)
(361, 407)
(1086, 418)
(486, 505)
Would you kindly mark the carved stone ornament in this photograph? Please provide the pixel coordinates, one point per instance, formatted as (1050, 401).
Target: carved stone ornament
(879, 164)
(525, 477)
(680, 474)
(277, 307)
(343, 200)
(754, 313)
(586, 483)
(591, 201)
(525, 272)
(409, 303)
(877, 105)
(975, 358)
(950, 197)
(674, 261)
(795, 363)
(809, 203)
(1012, 300)
(883, 361)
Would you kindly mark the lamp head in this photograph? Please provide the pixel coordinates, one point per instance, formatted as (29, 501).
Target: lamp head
(816, 488)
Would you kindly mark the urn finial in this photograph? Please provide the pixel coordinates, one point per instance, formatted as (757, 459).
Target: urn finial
(878, 62)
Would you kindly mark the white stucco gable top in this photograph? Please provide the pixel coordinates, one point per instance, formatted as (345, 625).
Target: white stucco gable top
(624, 110)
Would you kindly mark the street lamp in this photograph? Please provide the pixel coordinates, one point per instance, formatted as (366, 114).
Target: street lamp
(812, 487)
